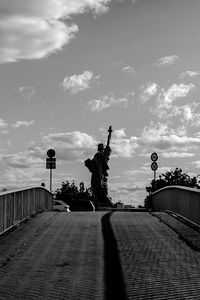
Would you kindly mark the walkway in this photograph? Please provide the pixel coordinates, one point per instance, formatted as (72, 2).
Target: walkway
(97, 256)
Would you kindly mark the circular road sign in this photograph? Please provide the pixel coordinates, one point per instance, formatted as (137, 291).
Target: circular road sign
(154, 166)
(154, 156)
(51, 153)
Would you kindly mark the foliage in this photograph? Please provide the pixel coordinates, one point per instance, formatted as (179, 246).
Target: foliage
(70, 192)
(176, 177)
(148, 201)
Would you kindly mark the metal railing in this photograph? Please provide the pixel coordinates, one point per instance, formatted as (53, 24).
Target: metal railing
(18, 205)
(182, 200)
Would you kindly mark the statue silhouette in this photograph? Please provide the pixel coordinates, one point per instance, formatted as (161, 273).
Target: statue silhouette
(98, 166)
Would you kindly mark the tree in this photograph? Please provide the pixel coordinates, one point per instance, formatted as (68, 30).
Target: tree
(176, 177)
(67, 191)
(81, 187)
(70, 192)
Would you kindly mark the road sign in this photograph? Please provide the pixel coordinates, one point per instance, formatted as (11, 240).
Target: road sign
(154, 156)
(154, 166)
(50, 163)
(51, 153)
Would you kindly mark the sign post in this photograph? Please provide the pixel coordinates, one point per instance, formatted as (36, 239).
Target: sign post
(51, 163)
(154, 165)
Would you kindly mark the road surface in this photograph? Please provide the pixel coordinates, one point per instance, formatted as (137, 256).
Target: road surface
(98, 255)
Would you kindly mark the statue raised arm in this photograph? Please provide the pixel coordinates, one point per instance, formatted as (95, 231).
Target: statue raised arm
(107, 150)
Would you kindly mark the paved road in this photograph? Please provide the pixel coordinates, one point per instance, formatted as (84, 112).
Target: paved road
(99, 255)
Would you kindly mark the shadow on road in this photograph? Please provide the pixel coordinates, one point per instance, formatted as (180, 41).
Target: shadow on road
(113, 276)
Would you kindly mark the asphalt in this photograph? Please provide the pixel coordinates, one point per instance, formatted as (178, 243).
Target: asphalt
(100, 255)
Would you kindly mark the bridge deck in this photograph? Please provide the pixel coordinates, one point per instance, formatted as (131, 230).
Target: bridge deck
(97, 256)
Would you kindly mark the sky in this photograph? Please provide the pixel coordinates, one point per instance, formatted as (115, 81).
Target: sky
(71, 68)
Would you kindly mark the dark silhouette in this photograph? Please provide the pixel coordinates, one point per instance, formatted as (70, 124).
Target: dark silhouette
(113, 275)
(98, 166)
(69, 192)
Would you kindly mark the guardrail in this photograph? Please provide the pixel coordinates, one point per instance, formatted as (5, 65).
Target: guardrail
(182, 200)
(18, 205)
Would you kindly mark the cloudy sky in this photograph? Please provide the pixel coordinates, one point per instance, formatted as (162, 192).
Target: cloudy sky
(71, 68)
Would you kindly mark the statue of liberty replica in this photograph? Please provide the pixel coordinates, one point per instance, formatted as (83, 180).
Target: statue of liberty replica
(98, 166)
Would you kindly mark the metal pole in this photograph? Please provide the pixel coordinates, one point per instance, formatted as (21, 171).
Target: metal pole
(50, 179)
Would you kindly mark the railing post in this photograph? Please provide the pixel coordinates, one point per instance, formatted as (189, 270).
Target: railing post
(5, 214)
(29, 203)
(22, 204)
(44, 200)
(34, 201)
(14, 213)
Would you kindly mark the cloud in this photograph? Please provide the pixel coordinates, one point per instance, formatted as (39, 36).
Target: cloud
(32, 38)
(73, 145)
(77, 83)
(167, 142)
(123, 146)
(3, 124)
(167, 60)
(74, 139)
(187, 113)
(119, 133)
(189, 74)
(28, 167)
(33, 29)
(132, 1)
(53, 9)
(157, 136)
(149, 90)
(166, 105)
(157, 129)
(69, 146)
(128, 70)
(78, 145)
(3, 127)
(23, 123)
(196, 163)
(128, 194)
(128, 189)
(20, 161)
(177, 154)
(130, 94)
(161, 137)
(106, 102)
(175, 91)
(37, 151)
(27, 91)
(21, 169)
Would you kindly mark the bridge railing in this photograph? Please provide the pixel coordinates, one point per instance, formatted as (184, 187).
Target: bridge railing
(182, 200)
(18, 205)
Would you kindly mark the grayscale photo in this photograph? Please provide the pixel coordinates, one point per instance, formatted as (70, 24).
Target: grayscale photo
(99, 149)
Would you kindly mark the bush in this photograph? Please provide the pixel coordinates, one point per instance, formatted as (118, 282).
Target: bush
(70, 192)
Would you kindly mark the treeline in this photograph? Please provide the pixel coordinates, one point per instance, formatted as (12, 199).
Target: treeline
(70, 192)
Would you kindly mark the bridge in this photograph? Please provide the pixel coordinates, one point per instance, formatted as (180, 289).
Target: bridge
(97, 255)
